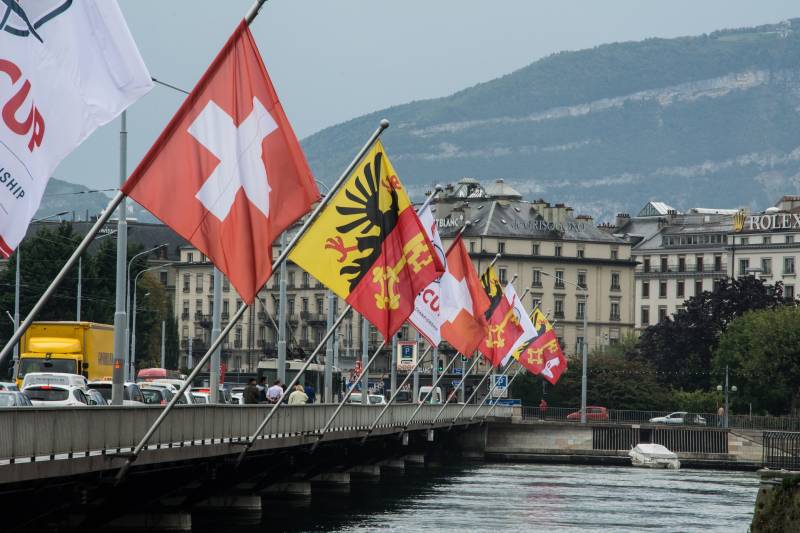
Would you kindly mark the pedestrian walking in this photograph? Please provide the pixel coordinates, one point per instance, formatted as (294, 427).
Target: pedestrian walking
(262, 390)
(298, 396)
(543, 408)
(720, 416)
(250, 393)
(275, 392)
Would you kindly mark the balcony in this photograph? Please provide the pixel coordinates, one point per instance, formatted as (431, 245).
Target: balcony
(237, 343)
(185, 288)
(676, 270)
(558, 314)
(225, 315)
(614, 317)
(185, 315)
(262, 316)
(615, 288)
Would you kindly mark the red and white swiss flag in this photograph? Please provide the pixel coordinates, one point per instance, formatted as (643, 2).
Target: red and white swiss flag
(227, 173)
(463, 301)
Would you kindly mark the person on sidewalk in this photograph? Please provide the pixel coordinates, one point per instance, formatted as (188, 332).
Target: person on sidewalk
(543, 409)
(250, 393)
(298, 396)
(275, 392)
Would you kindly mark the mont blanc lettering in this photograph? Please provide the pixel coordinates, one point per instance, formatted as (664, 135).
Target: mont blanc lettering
(11, 184)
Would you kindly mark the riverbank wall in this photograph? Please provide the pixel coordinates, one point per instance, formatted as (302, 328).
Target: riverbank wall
(777, 507)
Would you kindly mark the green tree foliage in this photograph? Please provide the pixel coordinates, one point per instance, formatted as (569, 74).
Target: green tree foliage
(680, 347)
(762, 351)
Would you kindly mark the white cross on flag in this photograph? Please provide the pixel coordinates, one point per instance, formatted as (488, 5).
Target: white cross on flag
(66, 68)
(227, 173)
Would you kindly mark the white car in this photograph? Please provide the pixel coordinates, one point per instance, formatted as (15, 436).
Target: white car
(201, 397)
(236, 395)
(679, 417)
(54, 378)
(374, 399)
(56, 395)
(187, 395)
(132, 394)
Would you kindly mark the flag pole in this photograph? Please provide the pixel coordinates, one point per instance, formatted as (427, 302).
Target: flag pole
(251, 440)
(132, 456)
(424, 400)
(494, 386)
(471, 396)
(459, 386)
(509, 386)
(73, 259)
(395, 393)
(347, 397)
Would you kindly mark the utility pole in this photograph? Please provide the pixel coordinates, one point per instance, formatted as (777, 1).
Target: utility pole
(120, 317)
(163, 344)
(78, 305)
(216, 327)
(189, 362)
(282, 317)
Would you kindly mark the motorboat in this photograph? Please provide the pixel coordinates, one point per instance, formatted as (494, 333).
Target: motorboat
(650, 455)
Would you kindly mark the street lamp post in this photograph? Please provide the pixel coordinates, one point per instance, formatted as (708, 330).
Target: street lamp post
(17, 287)
(584, 344)
(128, 304)
(132, 370)
(720, 389)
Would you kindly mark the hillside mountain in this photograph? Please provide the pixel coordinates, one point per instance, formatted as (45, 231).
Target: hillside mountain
(712, 121)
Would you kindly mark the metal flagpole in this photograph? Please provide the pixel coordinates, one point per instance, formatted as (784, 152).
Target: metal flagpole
(433, 387)
(216, 327)
(239, 312)
(364, 361)
(16, 310)
(471, 396)
(249, 443)
(508, 386)
(328, 396)
(459, 386)
(347, 397)
(395, 393)
(491, 390)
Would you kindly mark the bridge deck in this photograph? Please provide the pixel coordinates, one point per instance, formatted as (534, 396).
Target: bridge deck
(42, 442)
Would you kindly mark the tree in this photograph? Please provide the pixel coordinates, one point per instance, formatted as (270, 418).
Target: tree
(680, 347)
(762, 352)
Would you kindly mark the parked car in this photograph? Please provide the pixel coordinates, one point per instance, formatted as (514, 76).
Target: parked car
(156, 395)
(201, 397)
(54, 378)
(132, 394)
(56, 395)
(95, 398)
(236, 395)
(679, 417)
(374, 399)
(224, 396)
(14, 399)
(593, 412)
(6, 386)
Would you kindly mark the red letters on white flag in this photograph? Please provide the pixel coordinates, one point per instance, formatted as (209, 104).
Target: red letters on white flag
(426, 316)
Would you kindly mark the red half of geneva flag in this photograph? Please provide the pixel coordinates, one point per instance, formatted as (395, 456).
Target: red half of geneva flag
(463, 301)
(227, 173)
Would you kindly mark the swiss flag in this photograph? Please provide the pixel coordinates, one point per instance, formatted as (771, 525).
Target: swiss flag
(463, 301)
(227, 173)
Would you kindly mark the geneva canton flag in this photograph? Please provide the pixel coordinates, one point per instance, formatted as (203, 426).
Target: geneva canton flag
(66, 68)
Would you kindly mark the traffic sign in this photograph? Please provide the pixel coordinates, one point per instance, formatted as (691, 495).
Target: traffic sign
(457, 370)
(500, 386)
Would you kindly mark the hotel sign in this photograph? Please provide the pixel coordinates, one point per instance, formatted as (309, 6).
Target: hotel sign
(772, 222)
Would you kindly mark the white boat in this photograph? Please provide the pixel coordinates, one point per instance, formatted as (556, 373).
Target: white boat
(653, 456)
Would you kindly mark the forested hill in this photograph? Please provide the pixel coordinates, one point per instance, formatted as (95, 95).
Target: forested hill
(712, 120)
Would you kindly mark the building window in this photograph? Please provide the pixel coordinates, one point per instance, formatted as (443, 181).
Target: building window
(789, 239)
(679, 289)
(698, 263)
(225, 309)
(198, 309)
(614, 254)
(304, 333)
(472, 247)
(580, 253)
(558, 250)
(226, 284)
(502, 274)
(715, 285)
(535, 249)
(185, 313)
(664, 265)
(290, 306)
(645, 316)
(717, 263)
(211, 282)
(580, 309)
(614, 310)
(501, 247)
(789, 292)
(238, 304)
(198, 286)
(681, 264)
(744, 266)
(766, 265)
(320, 304)
(163, 278)
(788, 265)
(646, 264)
(615, 281)
(190, 257)
(662, 313)
(537, 300)
(767, 239)
(582, 279)
(662, 289)
(744, 241)
(290, 280)
(304, 305)
(578, 344)
(305, 280)
(698, 287)
(559, 308)
(537, 278)
(186, 283)
(559, 279)
(645, 289)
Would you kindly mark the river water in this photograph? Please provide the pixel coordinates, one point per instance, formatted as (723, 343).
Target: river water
(518, 497)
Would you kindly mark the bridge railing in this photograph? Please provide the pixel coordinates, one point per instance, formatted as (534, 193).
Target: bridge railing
(57, 433)
(624, 416)
(781, 450)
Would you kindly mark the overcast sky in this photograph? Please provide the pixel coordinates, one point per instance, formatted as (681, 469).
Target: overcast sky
(333, 60)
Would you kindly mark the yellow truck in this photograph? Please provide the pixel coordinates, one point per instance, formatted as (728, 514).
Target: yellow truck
(84, 348)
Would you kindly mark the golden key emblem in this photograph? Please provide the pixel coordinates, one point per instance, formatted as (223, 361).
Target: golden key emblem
(495, 337)
(416, 255)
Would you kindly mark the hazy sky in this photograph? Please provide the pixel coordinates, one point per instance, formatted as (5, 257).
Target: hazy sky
(333, 60)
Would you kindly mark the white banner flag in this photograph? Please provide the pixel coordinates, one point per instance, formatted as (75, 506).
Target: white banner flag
(426, 316)
(66, 68)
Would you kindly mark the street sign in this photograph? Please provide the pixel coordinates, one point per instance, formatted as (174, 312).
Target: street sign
(406, 355)
(500, 385)
(458, 370)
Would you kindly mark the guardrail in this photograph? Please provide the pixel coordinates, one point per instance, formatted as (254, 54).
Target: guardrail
(50, 433)
(622, 416)
(781, 450)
